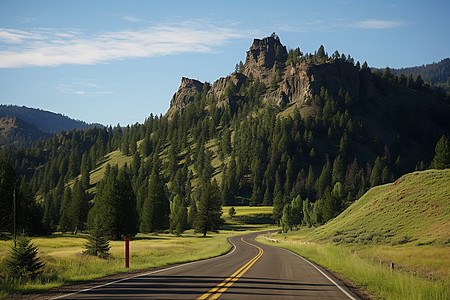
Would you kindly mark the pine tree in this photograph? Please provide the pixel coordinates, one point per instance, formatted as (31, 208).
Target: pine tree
(307, 213)
(127, 217)
(441, 159)
(97, 244)
(286, 218)
(7, 179)
(209, 209)
(65, 220)
(324, 179)
(338, 173)
(267, 200)
(23, 262)
(115, 206)
(192, 215)
(278, 206)
(78, 207)
(178, 215)
(156, 207)
(296, 210)
(321, 52)
(375, 175)
(27, 210)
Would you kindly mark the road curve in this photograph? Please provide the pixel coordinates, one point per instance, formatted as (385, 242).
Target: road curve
(250, 271)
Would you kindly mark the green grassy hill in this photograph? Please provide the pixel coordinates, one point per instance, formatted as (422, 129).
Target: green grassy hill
(413, 209)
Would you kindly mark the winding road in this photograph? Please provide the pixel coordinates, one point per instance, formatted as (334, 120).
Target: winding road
(249, 271)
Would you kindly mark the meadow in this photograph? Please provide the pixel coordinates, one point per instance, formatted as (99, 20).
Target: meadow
(368, 268)
(405, 223)
(65, 263)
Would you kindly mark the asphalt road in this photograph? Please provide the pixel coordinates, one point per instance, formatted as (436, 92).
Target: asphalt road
(250, 271)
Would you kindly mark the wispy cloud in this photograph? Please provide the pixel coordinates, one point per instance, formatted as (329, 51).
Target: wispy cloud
(338, 24)
(378, 24)
(14, 36)
(131, 19)
(84, 88)
(57, 47)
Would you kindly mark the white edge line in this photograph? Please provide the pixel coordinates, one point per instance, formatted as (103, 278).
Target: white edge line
(146, 274)
(323, 273)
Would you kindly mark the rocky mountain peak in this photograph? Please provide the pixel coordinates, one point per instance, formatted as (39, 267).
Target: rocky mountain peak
(185, 94)
(285, 83)
(262, 56)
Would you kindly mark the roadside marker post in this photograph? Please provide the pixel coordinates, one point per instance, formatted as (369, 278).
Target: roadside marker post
(127, 253)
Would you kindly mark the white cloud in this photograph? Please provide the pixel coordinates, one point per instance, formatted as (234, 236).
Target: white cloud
(378, 24)
(83, 88)
(13, 36)
(44, 47)
(131, 19)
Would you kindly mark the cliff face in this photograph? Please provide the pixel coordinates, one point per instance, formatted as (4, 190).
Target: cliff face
(185, 94)
(262, 57)
(295, 83)
(218, 88)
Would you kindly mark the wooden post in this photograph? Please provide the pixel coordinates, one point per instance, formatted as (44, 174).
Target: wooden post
(391, 266)
(127, 253)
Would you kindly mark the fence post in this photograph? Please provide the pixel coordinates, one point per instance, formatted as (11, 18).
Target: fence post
(127, 253)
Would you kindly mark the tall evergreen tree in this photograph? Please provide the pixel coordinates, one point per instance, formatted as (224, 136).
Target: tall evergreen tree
(128, 220)
(65, 221)
(278, 206)
(7, 181)
(178, 215)
(286, 219)
(115, 207)
(78, 207)
(441, 159)
(375, 175)
(297, 210)
(209, 209)
(156, 207)
(192, 214)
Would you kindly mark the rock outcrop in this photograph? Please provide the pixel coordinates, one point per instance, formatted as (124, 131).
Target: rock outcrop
(266, 60)
(219, 86)
(185, 94)
(262, 57)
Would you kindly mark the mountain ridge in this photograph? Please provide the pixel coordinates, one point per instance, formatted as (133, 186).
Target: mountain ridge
(322, 129)
(46, 121)
(16, 132)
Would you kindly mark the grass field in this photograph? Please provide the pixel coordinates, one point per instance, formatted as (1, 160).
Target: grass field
(366, 273)
(405, 223)
(249, 215)
(65, 263)
(413, 209)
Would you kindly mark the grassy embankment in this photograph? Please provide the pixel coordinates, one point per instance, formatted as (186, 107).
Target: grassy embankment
(406, 223)
(65, 263)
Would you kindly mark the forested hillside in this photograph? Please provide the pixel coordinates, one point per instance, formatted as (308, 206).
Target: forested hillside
(46, 121)
(16, 132)
(302, 132)
(437, 74)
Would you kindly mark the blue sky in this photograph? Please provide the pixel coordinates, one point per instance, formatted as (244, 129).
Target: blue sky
(118, 61)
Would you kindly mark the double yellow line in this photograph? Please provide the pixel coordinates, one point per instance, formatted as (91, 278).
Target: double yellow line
(218, 290)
